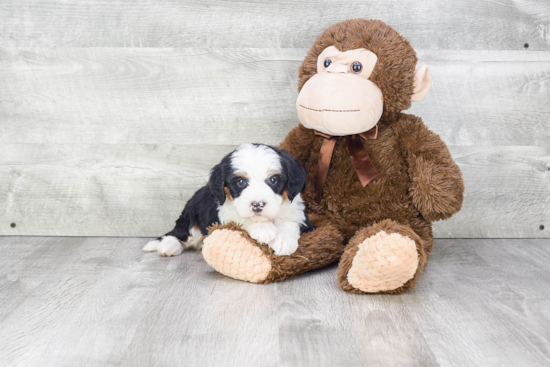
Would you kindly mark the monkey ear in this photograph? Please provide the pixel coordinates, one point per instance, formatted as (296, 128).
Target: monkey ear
(422, 83)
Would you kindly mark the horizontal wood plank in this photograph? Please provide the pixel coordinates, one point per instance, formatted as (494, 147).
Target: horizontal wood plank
(188, 96)
(93, 190)
(507, 193)
(487, 98)
(213, 96)
(140, 189)
(430, 24)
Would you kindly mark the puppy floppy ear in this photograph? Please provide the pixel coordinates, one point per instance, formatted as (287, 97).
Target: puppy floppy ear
(295, 173)
(216, 183)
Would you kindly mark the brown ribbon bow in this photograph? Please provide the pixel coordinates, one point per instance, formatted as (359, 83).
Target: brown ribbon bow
(363, 165)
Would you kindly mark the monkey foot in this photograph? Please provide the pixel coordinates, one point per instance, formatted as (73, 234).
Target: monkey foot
(383, 262)
(231, 253)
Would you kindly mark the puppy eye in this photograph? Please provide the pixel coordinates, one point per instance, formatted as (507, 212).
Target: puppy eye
(272, 180)
(241, 182)
(327, 63)
(356, 67)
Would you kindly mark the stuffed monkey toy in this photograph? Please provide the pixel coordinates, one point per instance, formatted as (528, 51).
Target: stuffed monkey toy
(376, 177)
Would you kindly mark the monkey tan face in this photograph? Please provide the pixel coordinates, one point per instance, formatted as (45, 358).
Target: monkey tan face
(340, 99)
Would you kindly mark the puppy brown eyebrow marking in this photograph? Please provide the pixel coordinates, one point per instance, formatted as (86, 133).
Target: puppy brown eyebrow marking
(312, 109)
(241, 175)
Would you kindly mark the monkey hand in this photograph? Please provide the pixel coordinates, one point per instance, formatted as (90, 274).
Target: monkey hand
(437, 191)
(437, 188)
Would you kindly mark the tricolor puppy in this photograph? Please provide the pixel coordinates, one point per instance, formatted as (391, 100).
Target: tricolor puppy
(256, 186)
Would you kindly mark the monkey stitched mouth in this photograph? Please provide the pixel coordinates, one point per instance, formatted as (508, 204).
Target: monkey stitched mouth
(323, 110)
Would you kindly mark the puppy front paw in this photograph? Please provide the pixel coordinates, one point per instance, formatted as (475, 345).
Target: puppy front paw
(284, 244)
(169, 246)
(262, 232)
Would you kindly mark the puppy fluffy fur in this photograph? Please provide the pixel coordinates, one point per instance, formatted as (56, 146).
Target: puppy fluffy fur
(255, 186)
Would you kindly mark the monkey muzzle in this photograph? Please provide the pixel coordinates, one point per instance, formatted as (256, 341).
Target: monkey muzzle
(339, 103)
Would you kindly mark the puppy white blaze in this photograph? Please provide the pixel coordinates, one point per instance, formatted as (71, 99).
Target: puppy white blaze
(278, 224)
(257, 163)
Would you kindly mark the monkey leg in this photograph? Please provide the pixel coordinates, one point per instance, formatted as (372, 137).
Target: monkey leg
(383, 258)
(231, 251)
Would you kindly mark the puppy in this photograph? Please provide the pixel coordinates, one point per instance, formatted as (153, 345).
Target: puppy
(256, 186)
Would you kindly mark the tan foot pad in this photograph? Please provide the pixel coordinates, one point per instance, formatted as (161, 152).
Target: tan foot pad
(229, 253)
(383, 262)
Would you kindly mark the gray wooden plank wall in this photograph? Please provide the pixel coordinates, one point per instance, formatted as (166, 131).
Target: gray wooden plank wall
(112, 112)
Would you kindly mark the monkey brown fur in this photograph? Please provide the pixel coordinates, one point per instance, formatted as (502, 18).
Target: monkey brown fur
(367, 228)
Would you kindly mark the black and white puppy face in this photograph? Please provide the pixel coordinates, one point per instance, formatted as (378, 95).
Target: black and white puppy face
(257, 179)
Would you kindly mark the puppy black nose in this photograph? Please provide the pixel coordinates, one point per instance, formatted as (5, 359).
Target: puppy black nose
(257, 206)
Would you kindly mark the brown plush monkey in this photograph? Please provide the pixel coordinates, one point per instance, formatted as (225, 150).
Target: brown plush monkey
(376, 177)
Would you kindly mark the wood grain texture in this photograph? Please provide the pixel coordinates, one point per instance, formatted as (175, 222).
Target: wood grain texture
(190, 302)
(353, 330)
(104, 302)
(110, 190)
(488, 97)
(140, 189)
(507, 193)
(201, 96)
(105, 141)
(430, 24)
(497, 280)
(84, 310)
(184, 96)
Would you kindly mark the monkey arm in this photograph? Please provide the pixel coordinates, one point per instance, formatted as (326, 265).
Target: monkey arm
(298, 143)
(436, 181)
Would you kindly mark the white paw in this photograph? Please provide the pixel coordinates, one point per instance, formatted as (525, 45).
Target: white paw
(170, 246)
(263, 232)
(284, 244)
(151, 246)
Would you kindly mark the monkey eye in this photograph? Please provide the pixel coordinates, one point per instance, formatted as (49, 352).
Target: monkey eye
(356, 67)
(327, 63)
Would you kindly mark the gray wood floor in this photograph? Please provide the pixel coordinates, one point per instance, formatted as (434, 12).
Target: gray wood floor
(101, 301)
